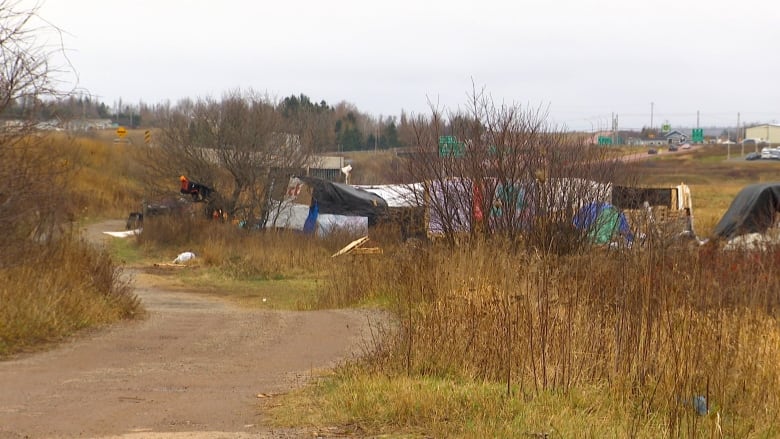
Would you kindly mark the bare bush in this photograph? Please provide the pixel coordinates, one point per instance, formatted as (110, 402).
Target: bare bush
(53, 283)
(34, 191)
(230, 145)
(503, 171)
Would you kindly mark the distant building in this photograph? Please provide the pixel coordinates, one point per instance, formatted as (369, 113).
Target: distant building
(768, 133)
(675, 137)
(325, 167)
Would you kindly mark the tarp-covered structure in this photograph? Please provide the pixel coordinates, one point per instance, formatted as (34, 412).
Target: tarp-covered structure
(459, 205)
(318, 206)
(753, 210)
(343, 199)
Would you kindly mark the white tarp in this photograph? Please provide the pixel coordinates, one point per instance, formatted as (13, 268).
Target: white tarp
(288, 216)
(397, 195)
(293, 216)
(327, 223)
(124, 234)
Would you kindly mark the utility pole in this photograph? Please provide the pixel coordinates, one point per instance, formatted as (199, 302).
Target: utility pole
(651, 115)
(697, 119)
(737, 137)
(615, 130)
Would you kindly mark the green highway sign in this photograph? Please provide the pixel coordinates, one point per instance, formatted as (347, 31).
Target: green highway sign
(697, 135)
(450, 147)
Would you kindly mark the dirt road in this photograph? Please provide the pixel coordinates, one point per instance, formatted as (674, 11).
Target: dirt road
(192, 369)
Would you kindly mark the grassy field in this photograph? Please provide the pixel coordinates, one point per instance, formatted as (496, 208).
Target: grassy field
(489, 342)
(713, 179)
(495, 344)
(492, 343)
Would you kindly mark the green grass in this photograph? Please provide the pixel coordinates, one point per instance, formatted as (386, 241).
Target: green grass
(294, 293)
(126, 251)
(396, 406)
(288, 289)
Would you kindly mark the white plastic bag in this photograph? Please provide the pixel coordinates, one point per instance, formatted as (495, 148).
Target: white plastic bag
(184, 257)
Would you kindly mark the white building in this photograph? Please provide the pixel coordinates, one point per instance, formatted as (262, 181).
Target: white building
(768, 133)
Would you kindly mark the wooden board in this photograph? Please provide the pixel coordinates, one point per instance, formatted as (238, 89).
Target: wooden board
(351, 246)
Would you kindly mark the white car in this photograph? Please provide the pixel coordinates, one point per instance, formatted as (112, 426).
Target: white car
(770, 153)
(685, 146)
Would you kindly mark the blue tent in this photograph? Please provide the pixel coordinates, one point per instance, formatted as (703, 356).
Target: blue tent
(601, 221)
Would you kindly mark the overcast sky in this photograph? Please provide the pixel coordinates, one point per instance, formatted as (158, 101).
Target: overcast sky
(583, 59)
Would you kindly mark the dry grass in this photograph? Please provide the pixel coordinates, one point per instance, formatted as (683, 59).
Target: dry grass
(490, 342)
(370, 167)
(245, 266)
(493, 343)
(57, 290)
(650, 329)
(53, 283)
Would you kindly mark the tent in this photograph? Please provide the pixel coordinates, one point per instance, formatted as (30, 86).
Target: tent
(753, 210)
(601, 221)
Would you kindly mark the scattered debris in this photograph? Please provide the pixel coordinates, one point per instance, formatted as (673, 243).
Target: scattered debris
(356, 247)
(124, 234)
(698, 403)
(184, 257)
(169, 265)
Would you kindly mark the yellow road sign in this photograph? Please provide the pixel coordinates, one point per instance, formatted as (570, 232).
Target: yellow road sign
(147, 136)
(121, 132)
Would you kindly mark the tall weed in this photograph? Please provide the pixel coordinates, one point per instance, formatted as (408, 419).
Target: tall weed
(662, 326)
(59, 289)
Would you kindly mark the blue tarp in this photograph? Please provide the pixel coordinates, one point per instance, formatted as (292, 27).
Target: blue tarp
(601, 221)
(310, 225)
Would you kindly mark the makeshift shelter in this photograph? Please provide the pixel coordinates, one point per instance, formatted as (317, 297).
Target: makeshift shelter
(661, 211)
(753, 210)
(405, 207)
(343, 199)
(602, 221)
(318, 206)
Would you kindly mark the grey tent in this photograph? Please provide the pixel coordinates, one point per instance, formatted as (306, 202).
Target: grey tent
(752, 211)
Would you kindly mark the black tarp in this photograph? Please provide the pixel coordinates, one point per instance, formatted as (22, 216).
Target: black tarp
(752, 211)
(343, 199)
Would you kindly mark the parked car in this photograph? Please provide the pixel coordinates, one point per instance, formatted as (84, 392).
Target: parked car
(652, 151)
(770, 153)
(672, 148)
(685, 146)
(753, 156)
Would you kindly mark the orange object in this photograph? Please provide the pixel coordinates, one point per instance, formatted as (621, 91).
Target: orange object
(184, 184)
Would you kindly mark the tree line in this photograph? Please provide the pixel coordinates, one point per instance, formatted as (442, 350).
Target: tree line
(340, 127)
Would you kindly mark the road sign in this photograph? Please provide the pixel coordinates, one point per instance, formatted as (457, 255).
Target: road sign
(121, 132)
(697, 136)
(666, 127)
(147, 137)
(450, 147)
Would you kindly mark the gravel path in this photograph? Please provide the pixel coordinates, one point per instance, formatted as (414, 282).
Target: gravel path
(192, 369)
